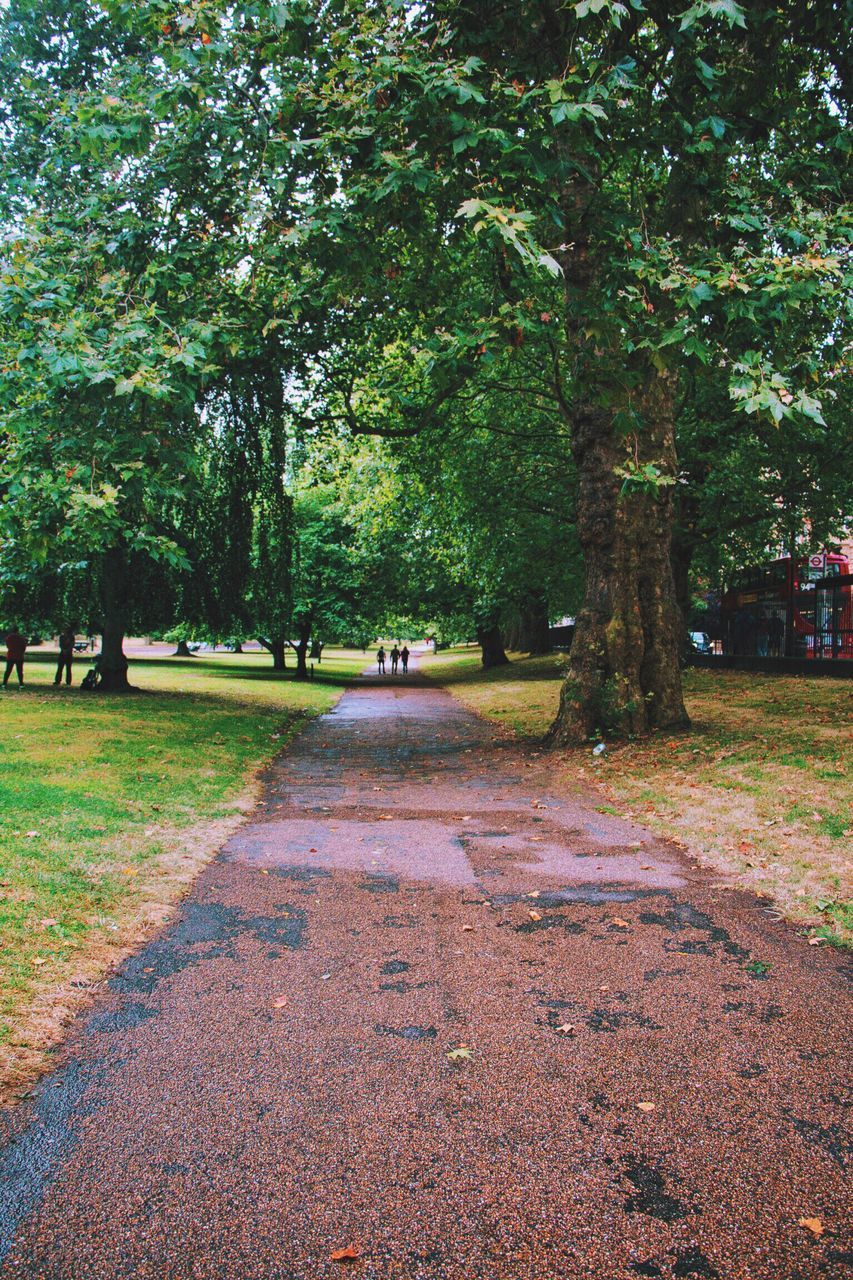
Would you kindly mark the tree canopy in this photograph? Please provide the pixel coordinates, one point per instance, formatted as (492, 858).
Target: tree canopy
(323, 315)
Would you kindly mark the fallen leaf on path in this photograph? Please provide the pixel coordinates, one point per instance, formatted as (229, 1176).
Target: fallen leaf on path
(619, 923)
(467, 928)
(645, 1106)
(814, 1225)
(534, 915)
(646, 866)
(635, 845)
(567, 1029)
(605, 986)
(459, 1054)
(350, 1254)
(280, 1002)
(815, 942)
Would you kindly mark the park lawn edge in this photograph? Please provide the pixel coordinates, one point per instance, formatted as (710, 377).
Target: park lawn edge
(57, 994)
(719, 821)
(56, 1001)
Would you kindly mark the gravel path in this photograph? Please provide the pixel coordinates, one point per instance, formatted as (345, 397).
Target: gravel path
(425, 1009)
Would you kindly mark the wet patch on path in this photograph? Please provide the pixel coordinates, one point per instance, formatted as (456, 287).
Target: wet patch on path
(347, 1037)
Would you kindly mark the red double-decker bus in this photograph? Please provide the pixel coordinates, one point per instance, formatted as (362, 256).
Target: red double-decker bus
(794, 609)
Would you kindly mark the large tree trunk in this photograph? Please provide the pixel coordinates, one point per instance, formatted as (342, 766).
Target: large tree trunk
(276, 648)
(489, 639)
(534, 636)
(624, 673)
(302, 650)
(183, 650)
(112, 664)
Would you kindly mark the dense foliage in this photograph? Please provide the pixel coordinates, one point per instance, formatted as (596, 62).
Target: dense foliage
(579, 269)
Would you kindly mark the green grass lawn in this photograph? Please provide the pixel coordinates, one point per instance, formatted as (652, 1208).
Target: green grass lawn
(109, 804)
(759, 788)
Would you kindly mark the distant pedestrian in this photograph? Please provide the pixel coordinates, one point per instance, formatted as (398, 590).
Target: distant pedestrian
(16, 645)
(404, 658)
(380, 660)
(395, 658)
(762, 636)
(66, 656)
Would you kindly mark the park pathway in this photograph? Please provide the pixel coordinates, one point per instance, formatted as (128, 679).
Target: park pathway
(424, 1006)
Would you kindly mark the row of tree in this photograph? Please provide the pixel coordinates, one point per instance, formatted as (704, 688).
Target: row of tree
(318, 316)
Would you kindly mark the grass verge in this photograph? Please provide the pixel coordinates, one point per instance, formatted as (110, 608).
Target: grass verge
(110, 804)
(759, 789)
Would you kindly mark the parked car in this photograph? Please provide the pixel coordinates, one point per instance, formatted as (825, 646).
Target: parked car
(701, 642)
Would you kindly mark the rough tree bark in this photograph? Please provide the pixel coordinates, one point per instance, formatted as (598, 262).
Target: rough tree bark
(302, 649)
(489, 640)
(276, 648)
(534, 635)
(112, 664)
(624, 673)
(183, 650)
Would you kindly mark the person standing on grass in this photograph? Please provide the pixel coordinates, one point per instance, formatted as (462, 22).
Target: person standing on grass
(16, 645)
(404, 658)
(66, 657)
(395, 658)
(380, 660)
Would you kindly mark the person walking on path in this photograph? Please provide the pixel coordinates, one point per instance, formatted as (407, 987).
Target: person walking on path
(15, 647)
(404, 658)
(380, 660)
(395, 658)
(66, 656)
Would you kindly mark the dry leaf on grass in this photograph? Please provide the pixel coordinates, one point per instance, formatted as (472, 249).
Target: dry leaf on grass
(280, 1002)
(48, 922)
(814, 1225)
(350, 1254)
(534, 915)
(645, 1106)
(619, 923)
